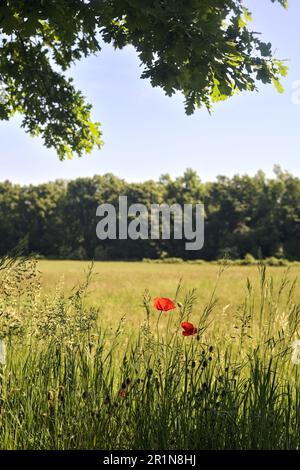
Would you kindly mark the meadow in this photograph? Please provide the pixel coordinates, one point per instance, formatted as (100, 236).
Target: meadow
(92, 364)
(117, 288)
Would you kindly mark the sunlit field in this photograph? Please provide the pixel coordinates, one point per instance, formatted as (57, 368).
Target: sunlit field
(118, 287)
(93, 363)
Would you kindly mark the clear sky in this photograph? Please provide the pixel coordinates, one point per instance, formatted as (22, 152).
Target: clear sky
(147, 134)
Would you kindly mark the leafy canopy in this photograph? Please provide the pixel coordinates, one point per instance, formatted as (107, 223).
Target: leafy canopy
(202, 48)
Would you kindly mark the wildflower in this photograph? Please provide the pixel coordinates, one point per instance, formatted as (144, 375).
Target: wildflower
(189, 329)
(122, 393)
(163, 304)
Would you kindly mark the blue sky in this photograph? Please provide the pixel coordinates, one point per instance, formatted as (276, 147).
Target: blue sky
(147, 134)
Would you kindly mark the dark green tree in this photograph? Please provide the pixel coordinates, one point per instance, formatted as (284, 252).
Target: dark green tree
(243, 214)
(79, 215)
(10, 230)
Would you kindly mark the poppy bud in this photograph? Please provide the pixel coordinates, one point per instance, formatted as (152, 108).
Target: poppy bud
(61, 393)
(122, 393)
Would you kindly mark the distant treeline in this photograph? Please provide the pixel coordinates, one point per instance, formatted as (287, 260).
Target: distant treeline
(244, 215)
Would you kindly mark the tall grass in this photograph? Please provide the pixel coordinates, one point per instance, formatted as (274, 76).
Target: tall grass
(71, 382)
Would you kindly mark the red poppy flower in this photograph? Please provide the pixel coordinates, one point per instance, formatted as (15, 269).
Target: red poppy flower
(122, 393)
(163, 304)
(189, 329)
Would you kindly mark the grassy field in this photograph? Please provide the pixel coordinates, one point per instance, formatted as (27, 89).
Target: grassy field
(117, 287)
(91, 364)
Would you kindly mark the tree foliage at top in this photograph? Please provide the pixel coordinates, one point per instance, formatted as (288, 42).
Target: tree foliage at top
(202, 48)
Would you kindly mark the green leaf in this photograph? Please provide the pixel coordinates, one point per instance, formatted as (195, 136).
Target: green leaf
(278, 85)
